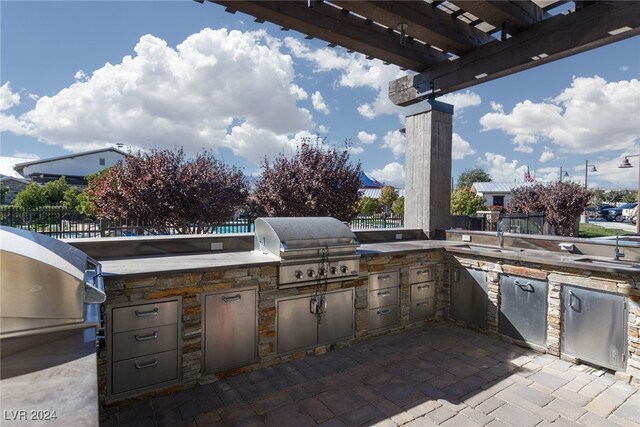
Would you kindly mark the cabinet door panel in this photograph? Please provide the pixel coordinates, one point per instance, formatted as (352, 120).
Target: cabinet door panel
(297, 326)
(594, 326)
(230, 329)
(523, 309)
(337, 323)
(469, 296)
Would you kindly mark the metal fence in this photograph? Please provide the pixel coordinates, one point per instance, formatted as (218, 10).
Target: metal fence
(376, 221)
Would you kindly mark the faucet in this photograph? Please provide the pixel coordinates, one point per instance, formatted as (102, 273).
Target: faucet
(618, 253)
(500, 234)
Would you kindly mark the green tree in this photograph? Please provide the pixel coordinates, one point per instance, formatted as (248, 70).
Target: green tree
(86, 200)
(4, 190)
(465, 202)
(70, 198)
(469, 176)
(388, 195)
(398, 207)
(367, 206)
(33, 196)
(54, 190)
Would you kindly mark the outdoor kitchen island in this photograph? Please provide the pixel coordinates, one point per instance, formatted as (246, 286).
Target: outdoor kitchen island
(184, 285)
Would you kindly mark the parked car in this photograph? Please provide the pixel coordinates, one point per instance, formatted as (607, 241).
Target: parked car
(599, 210)
(633, 215)
(615, 214)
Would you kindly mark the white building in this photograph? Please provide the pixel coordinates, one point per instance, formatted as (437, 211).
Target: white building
(74, 167)
(497, 193)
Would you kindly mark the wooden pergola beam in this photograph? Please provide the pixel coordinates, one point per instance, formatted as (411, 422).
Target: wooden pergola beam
(424, 22)
(516, 15)
(552, 39)
(339, 27)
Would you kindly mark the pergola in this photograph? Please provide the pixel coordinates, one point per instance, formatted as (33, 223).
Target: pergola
(446, 46)
(451, 45)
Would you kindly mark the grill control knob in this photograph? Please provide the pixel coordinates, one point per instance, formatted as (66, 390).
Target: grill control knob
(322, 271)
(343, 269)
(310, 272)
(298, 274)
(333, 270)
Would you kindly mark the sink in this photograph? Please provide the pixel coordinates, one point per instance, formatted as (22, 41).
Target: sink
(610, 262)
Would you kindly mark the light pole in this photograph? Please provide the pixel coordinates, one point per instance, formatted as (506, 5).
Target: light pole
(566, 174)
(625, 164)
(586, 169)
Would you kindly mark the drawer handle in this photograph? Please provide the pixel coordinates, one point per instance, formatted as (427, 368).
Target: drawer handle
(422, 272)
(384, 294)
(420, 304)
(384, 277)
(234, 298)
(147, 313)
(423, 287)
(527, 288)
(152, 336)
(385, 311)
(146, 365)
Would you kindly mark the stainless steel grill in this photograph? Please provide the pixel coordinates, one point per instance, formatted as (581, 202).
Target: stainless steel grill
(311, 250)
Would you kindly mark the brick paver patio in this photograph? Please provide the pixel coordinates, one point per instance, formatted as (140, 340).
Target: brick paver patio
(433, 375)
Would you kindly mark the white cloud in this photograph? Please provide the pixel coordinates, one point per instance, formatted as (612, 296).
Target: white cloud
(322, 129)
(461, 100)
(460, 148)
(26, 155)
(318, 103)
(396, 142)
(624, 68)
(501, 170)
(497, 107)
(581, 119)
(547, 155)
(163, 96)
(8, 98)
(81, 75)
(367, 138)
(298, 92)
(356, 149)
(355, 71)
(390, 174)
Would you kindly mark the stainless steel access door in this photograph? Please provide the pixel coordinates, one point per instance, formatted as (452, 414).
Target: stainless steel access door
(594, 326)
(523, 309)
(230, 329)
(469, 296)
(338, 322)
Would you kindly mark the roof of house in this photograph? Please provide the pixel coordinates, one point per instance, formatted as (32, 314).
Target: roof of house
(374, 193)
(20, 166)
(13, 178)
(499, 187)
(7, 164)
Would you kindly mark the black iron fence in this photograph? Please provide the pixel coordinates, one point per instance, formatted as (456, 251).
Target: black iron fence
(376, 221)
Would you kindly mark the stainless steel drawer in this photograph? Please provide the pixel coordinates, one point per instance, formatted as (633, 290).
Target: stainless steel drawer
(144, 341)
(144, 371)
(386, 279)
(383, 317)
(383, 297)
(422, 274)
(421, 291)
(144, 316)
(425, 309)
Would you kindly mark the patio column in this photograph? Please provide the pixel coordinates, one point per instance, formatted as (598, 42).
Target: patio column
(428, 168)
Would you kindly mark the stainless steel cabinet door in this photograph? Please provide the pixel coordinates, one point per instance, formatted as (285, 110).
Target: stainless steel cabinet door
(230, 329)
(337, 322)
(523, 309)
(469, 296)
(297, 326)
(594, 326)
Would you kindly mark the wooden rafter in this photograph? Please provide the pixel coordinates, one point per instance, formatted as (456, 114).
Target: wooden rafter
(549, 40)
(339, 27)
(424, 22)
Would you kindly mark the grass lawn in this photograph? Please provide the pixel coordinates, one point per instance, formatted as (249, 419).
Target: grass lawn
(590, 230)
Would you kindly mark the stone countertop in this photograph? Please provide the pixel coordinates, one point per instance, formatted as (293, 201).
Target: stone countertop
(184, 263)
(212, 261)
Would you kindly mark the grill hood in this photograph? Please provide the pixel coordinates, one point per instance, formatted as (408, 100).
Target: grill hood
(311, 249)
(44, 283)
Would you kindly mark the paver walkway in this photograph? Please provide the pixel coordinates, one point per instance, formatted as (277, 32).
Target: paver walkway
(433, 375)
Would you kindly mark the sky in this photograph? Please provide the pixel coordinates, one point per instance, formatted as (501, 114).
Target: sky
(82, 75)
